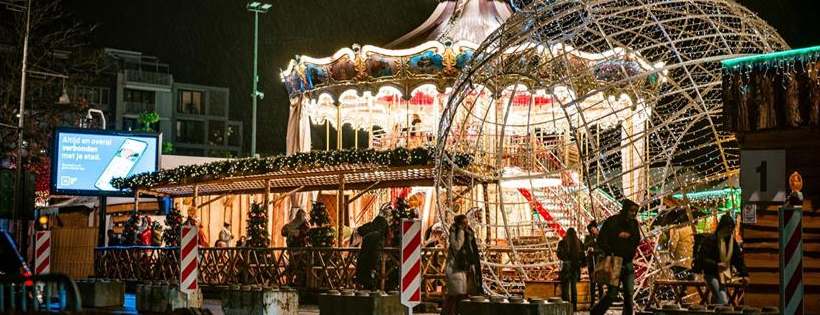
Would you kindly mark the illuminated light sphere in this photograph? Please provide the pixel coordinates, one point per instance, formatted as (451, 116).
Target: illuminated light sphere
(572, 105)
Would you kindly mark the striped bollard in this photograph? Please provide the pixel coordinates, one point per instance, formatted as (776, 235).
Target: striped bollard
(791, 259)
(42, 259)
(189, 259)
(411, 263)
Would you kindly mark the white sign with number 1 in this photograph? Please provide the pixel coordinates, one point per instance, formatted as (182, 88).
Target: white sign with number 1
(762, 175)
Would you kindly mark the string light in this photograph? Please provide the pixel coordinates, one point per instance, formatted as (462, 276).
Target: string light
(296, 162)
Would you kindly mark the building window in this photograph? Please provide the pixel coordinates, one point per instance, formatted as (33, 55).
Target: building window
(217, 103)
(217, 133)
(190, 102)
(94, 95)
(190, 131)
(133, 124)
(235, 137)
(138, 101)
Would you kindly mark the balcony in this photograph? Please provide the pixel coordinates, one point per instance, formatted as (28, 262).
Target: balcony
(148, 77)
(138, 108)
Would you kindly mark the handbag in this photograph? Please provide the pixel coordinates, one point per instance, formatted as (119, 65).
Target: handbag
(608, 270)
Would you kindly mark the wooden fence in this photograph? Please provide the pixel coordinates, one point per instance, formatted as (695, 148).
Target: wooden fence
(310, 268)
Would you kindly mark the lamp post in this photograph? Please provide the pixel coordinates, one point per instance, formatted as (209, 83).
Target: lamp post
(18, 194)
(256, 7)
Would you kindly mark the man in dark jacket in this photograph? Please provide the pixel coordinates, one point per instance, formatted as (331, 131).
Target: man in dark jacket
(593, 254)
(620, 236)
(718, 252)
(370, 252)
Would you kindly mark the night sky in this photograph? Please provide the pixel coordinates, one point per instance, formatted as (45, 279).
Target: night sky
(211, 42)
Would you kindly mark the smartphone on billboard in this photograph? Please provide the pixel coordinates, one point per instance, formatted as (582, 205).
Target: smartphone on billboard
(123, 162)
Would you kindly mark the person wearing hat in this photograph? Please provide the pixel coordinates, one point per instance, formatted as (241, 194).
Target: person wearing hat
(593, 253)
(718, 253)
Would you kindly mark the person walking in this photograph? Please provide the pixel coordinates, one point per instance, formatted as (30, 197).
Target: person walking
(572, 257)
(718, 253)
(620, 236)
(463, 266)
(594, 253)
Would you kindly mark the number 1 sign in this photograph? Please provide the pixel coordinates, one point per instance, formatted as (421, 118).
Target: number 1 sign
(763, 175)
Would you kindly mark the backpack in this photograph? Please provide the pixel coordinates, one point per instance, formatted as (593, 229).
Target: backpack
(698, 242)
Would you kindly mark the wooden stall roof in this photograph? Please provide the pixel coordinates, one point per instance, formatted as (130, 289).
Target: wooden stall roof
(356, 177)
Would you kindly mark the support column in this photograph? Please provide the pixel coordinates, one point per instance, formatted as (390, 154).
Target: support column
(268, 211)
(486, 197)
(338, 125)
(341, 206)
(194, 200)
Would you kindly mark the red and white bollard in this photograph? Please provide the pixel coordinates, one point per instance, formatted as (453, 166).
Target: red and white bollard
(411, 263)
(790, 228)
(189, 259)
(42, 257)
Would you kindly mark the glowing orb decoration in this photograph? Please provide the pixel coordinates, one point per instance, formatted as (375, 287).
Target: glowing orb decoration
(572, 105)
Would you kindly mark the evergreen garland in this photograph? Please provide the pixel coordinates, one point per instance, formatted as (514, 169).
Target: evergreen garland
(171, 235)
(257, 226)
(320, 234)
(401, 211)
(129, 233)
(296, 162)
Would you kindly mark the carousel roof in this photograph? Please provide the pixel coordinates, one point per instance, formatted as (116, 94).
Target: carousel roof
(435, 53)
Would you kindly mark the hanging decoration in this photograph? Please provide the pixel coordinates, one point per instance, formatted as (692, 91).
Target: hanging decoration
(258, 226)
(296, 162)
(321, 234)
(777, 90)
(173, 221)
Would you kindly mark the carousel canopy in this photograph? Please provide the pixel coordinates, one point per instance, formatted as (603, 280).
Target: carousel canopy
(434, 53)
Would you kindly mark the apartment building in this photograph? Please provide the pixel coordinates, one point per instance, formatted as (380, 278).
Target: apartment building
(193, 117)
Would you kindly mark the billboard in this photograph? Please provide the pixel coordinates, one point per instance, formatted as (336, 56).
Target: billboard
(84, 161)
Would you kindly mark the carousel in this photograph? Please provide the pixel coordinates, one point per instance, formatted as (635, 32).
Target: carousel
(531, 120)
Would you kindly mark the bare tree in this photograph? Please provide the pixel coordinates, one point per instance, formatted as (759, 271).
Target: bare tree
(57, 44)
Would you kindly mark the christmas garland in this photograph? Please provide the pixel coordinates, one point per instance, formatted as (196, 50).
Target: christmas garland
(299, 161)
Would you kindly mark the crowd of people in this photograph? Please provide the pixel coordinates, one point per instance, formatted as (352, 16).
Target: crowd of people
(617, 239)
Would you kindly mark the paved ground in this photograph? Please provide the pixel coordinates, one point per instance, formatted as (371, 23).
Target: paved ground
(215, 307)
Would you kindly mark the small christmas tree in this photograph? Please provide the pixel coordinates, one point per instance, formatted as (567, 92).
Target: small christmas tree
(400, 212)
(171, 235)
(257, 226)
(129, 233)
(321, 234)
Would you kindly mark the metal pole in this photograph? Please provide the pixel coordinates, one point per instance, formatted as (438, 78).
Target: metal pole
(255, 81)
(18, 194)
(103, 223)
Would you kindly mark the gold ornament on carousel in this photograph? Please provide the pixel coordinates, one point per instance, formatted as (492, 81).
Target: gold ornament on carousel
(449, 59)
(359, 64)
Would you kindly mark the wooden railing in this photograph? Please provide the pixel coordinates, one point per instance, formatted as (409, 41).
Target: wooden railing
(311, 268)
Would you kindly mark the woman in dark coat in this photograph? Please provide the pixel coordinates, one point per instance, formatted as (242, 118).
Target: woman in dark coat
(463, 266)
(717, 254)
(572, 257)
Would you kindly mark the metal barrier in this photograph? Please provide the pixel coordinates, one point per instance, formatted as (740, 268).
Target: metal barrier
(52, 292)
(312, 268)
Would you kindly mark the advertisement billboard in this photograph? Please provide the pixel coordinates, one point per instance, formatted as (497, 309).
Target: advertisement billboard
(84, 161)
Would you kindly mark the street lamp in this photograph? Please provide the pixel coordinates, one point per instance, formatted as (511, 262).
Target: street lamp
(256, 7)
(88, 117)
